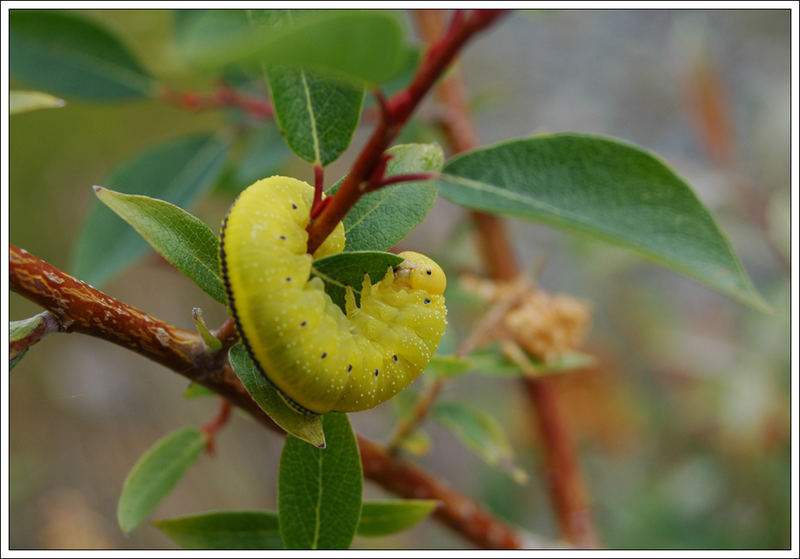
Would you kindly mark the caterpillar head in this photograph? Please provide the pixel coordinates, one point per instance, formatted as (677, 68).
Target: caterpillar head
(418, 271)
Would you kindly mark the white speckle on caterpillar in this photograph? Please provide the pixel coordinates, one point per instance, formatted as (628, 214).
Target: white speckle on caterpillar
(382, 345)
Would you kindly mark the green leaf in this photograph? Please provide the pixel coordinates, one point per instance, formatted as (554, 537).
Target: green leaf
(303, 426)
(481, 433)
(337, 271)
(73, 57)
(195, 390)
(382, 518)
(156, 473)
(178, 172)
(491, 362)
(317, 115)
(319, 490)
(448, 365)
(606, 189)
(183, 240)
(224, 530)
(23, 101)
(362, 46)
(382, 218)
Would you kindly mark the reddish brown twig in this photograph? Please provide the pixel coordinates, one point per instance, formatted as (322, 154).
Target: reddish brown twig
(565, 483)
(714, 125)
(408, 426)
(394, 179)
(457, 511)
(397, 111)
(215, 425)
(82, 308)
(222, 96)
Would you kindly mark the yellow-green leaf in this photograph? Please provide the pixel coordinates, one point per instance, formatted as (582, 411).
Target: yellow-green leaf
(23, 101)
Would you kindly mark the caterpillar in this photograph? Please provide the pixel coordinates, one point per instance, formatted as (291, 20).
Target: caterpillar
(319, 357)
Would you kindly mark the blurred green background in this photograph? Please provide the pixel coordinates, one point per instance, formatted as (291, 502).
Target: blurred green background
(683, 427)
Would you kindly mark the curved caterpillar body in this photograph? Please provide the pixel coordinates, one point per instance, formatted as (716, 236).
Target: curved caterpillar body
(320, 358)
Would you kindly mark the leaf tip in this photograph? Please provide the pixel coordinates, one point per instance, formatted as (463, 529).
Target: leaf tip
(753, 299)
(97, 189)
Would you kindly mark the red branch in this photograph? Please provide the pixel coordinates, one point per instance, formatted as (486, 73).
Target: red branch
(223, 96)
(82, 308)
(567, 490)
(394, 179)
(398, 109)
(215, 425)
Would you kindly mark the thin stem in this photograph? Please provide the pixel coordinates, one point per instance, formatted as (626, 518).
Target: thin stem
(223, 96)
(567, 490)
(215, 426)
(394, 179)
(82, 308)
(407, 427)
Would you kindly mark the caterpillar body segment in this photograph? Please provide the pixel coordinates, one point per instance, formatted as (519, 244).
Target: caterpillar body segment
(320, 358)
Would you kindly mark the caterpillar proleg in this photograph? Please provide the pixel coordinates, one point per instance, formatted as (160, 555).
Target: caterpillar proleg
(321, 358)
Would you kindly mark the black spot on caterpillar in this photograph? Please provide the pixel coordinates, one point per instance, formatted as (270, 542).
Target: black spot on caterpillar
(285, 322)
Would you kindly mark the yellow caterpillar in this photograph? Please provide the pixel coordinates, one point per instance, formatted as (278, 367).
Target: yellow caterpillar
(320, 358)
